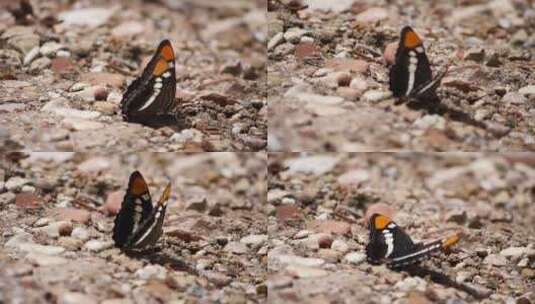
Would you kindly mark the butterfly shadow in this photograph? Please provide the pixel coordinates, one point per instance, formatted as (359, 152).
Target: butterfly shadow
(157, 256)
(433, 105)
(156, 121)
(442, 279)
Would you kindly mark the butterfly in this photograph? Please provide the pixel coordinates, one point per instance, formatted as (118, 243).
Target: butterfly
(391, 245)
(150, 98)
(411, 75)
(139, 224)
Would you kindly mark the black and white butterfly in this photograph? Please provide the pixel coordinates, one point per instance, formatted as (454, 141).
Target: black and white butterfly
(139, 224)
(390, 245)
(411, 75)
(150, 99)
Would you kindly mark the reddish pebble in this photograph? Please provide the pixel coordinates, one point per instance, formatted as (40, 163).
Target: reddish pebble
(325, 241)
(306, 50)
(103, 79)
(28, 200)
(65, 228)
(72, 214)
(113, 202)
(348, 65)
(343, 79)
(62, 65)
(437, 138)
(100, 93)
(331, 227)
(288, 212)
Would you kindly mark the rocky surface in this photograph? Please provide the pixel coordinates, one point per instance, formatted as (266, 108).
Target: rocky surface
(328, 75)
(317, 232)
(57, 216)
(64, 70)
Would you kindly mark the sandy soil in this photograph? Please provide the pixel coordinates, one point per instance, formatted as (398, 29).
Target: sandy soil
(57, 213)
(64, 71)
(328, 78)
(317, 234)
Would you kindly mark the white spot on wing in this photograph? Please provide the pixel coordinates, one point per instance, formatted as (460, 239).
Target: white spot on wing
(412, 71)
(150, 100)
(389, 240)
(149, 230)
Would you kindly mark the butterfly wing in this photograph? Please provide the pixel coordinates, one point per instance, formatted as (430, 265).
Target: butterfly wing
(153, 93)
(427, 90)
(151, 229)
(135, 209)
(422, 252)
(387, 240)
(391, 245)
(411, 69)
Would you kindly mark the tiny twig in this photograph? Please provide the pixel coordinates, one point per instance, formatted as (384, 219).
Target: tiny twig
(86, 206)
(344, 217)
(466, 67)
(369, 49)
(202, 86)
(121, 70)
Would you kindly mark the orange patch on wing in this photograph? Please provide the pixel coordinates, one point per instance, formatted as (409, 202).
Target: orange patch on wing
(139, 186)
(167, 52)
(411, 40)
(382, 221)
(160, 68)
(452, 240)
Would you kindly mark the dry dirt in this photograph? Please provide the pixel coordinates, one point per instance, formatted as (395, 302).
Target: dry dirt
(64, 70)
(317, 234)
(256, 226)
(328, 79)
(57, 215)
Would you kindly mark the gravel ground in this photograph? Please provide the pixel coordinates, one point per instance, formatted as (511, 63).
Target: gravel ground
(63, 73)
(57, 213)
(328, 76)
(317, 234)
(246, 225)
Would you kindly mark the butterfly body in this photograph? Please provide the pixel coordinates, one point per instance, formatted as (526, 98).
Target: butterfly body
(152, 96)
(411, 74)
(139, 224)
(390, 245)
